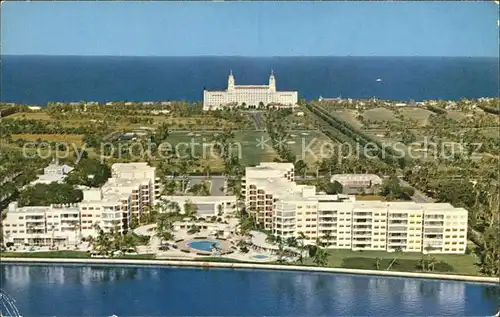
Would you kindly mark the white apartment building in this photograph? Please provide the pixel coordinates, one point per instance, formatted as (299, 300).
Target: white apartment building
(44, 226)
(111, 207)
(249, 95)
(339, 221)
(258, 199)
(138, 171)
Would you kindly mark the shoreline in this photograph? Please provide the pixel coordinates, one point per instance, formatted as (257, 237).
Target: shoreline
(256, 266)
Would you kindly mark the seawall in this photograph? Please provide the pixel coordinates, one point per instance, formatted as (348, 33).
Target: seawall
(477, 279)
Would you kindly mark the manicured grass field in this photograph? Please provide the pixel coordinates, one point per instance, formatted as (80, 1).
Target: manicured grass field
(49, 254)
(253, 147)
(378, 114)
(460, 264)
(36, 115)
(66, 138)
(419, 114)
(455, 115)
(199, 123)
(349, 116)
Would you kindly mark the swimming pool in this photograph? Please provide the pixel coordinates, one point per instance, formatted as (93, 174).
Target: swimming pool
(203, 245)
(260, 257)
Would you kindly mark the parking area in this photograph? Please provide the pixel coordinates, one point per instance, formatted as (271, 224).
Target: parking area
(217, 187)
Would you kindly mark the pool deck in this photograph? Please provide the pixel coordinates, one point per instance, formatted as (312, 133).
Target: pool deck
(477, 279)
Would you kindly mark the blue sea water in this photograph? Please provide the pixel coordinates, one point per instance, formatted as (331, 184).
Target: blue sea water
(40, 79)
(51, 290)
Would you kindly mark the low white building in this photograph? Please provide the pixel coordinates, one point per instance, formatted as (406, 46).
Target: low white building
(206, 206)
(353, 183)
(249, 95)
(53, 173)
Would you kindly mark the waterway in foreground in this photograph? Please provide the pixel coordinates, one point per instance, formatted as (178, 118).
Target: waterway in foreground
(96, 290)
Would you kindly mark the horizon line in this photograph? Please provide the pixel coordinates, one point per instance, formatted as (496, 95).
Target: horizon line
(246, 56)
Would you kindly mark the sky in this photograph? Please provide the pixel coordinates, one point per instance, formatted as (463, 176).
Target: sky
(448, 28)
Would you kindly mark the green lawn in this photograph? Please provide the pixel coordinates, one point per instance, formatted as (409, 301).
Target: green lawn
(451, 263)
(378, 114)
(419, 114)
(348, 116)
(49, 254)
(252, 146)
(68, 255)
(245, 145)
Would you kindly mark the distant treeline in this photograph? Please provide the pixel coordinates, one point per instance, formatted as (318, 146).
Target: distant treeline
(7, 110)
(490, 109)
(435, 109)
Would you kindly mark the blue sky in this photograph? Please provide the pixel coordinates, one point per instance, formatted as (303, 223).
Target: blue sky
(250, 28)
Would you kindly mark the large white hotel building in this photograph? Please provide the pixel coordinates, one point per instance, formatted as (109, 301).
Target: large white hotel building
(286, 208)
(249, 95)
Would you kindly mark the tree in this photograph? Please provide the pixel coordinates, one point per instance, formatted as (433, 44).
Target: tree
(47, 194)
(301, 238)
(190, 209)
(89, 172)
(320, 257)
(301, 167)
(377, 262)
(398, 251)
(333, 188)
(327, 237)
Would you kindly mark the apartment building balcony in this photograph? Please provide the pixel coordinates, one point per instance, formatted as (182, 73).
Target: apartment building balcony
(433, 243)
(433, 217)
(398, 229)
(361, 245)
(362, 215)
(433, 223)
(401, 216)
(328, 220)
(327, 213)
(68, 222)
(397, 235)
(398, 222)
(35, 221)
(362, 220)
(281, 214)
(35, 230)
(435, 230)
(327, 226)
(362, 227)
(362, 239)
(395, 243)
(284, 222)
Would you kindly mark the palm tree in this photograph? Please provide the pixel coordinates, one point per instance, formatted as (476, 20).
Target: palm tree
(327, 236)
(431, 264)
(281, 249)
(76, 226)
(320, 257)
(398, 252)
(377, 262)
(301, 238)
(52, 228)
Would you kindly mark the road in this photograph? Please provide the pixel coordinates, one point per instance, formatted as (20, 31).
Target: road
(256, 116)
(418, 197)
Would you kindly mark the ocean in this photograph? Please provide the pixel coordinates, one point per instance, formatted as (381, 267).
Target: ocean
(42, 79)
